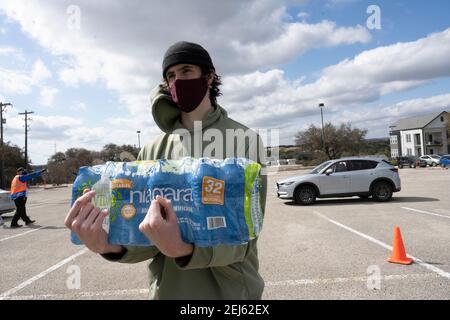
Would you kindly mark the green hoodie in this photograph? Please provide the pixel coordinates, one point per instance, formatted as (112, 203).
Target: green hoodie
(221, 272)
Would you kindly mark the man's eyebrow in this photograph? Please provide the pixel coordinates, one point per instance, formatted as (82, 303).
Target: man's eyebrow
(183, 68)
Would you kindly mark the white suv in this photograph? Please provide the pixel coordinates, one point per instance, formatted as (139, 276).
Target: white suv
(345, 177)
(431, 160)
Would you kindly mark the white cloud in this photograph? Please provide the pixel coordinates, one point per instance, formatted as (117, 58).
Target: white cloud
(40, 72)
(267, 99)
(126, 57)
(19, 81)
(8, 50)
(392, 113)
(295, 39)
(78, 106)
(303, 15)
(243, 37)
(47, 96)
(14, 82)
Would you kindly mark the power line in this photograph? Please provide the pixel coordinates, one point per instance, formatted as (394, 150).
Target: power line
(26, 113)
(2, 161)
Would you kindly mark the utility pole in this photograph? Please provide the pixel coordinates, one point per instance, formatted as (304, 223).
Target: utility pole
(26, 113)
(2, 161)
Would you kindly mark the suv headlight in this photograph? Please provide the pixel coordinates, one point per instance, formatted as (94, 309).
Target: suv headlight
(286, 183)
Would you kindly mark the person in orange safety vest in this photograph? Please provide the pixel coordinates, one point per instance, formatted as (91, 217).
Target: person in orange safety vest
(19, 195)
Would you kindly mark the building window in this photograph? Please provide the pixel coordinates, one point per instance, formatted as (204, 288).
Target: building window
(430, 138)
(408, 138)
(394, 153)
(393, 139)
(417, 138)
(409, 152)
(442, 119)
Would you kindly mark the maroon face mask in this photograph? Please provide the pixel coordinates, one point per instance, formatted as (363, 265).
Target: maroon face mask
(188, 94)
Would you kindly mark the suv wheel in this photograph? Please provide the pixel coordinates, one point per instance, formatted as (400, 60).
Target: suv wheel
(305, 195)
(433, 164)
(400, 166)
(382, 191)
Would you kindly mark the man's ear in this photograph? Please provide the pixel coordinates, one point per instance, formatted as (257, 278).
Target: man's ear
(211, 75)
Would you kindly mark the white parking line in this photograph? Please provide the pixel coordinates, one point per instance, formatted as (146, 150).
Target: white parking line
(78, 295)
(26, 283)
(298, 282)
(349, 279)
(426, 212)
(384, 245)
(21, 234)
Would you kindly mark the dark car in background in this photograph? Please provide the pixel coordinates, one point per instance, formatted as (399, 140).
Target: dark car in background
(410, 162)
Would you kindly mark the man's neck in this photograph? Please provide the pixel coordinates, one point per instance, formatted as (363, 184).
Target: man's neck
(199, 114)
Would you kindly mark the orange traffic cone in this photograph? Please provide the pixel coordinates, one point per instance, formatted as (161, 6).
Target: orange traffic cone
(398, 249)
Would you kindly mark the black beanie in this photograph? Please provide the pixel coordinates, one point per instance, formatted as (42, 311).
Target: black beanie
(186, 52)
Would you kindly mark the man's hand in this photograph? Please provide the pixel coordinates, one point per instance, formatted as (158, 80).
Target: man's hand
(161, 227)
(86, 221)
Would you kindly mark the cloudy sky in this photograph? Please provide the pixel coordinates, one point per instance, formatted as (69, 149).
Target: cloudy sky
(86, 67)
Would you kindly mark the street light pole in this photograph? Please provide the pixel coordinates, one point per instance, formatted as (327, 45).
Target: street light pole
(2, 161)
(321, 106)
(139, 139)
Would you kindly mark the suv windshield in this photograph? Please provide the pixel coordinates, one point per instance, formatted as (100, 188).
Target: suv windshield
(319, 168)
(435, 156)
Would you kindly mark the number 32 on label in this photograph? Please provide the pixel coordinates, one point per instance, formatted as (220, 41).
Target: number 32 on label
(213, 191)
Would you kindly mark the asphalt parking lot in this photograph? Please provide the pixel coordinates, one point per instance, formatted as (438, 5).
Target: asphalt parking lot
(335, 249)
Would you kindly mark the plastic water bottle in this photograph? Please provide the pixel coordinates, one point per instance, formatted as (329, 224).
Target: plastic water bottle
(102, 198)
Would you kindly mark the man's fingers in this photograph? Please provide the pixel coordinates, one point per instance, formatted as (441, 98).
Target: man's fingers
(91, 217)
(166, 205)
(153, 216)
(83, 215)
(77, 206)
(86, 190)
(99, 219)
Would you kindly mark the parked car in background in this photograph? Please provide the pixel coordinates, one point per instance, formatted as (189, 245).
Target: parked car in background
(445, 161)
(422, 163)
(6, 204)
(345, 177)
(431, 160)
(408, 161)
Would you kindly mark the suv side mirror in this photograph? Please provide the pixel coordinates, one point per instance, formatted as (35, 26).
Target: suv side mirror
(329, 171)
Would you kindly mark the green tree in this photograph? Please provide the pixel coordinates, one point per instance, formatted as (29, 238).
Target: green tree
(338, 141)
(13, 159)
(112, 152)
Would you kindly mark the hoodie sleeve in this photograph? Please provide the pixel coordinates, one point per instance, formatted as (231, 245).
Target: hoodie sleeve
(219, 256)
